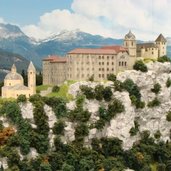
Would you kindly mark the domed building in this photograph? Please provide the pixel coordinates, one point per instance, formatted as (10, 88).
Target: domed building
(14, 83)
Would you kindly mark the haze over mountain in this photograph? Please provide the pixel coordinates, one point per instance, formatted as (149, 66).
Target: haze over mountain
(12, 39)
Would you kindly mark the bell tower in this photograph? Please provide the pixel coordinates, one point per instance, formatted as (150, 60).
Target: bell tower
(32, 78)
(130, 44)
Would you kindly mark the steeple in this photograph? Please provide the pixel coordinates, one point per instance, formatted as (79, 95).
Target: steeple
(31, 67)
(13, 69)
(31, 71)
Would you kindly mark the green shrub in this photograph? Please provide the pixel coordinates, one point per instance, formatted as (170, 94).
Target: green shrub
(113, 108)
(111, 77)
(99, 89)
(157, 134)
(133, 131)
(140, 66)
(154, 102)
(168, 82)
(132, 88)
(55, 89)
(87, 91)
(58, 128)
(161, 167)
(156, 89)
(107, 94)
(1, 126)
(164, 59)
(118, 85)
(81, 130)
(168, 117)
(91, 78)
(21, 98)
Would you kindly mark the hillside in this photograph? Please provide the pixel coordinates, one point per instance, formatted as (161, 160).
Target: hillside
(6, 61)
(126, 122)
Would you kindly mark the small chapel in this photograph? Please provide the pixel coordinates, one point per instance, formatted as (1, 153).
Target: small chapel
(14, 83)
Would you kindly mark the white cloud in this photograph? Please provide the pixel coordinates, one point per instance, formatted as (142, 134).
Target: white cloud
(109, 18)
(2, 20)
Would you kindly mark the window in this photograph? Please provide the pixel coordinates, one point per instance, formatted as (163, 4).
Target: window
(102, 63)
(102, 75)
(99, 75)
(152, 53)
(102, 69)
(99, 69)
(99, 57)
(99, 63)
(122, 63)
(107, 57)
(125, 63)
(112, 63)
(119, 63)
(112, 57)
(132, 43)
(107, 63)
(112, 69)
(102, 57)
(107, 69)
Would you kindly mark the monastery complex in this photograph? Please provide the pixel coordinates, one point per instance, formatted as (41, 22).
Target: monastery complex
(81, 64)
(14, 83)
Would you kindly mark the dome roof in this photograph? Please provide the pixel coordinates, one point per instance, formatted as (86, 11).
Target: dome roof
(13, 76)
(130, 35)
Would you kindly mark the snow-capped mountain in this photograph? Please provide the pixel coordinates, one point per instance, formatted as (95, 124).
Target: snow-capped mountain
(12, 39)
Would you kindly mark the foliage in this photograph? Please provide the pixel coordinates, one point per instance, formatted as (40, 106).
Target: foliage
(87, 91)
(111, 77)
(99, 89)
(21, 98)
(1, 85)
(91, 78)
(81, 130)
(107, 94)
(132, 88)
(168, 82)
(155, 102)
(157, 134)
(118, 85)
(58, 128)
(164, 59)
(55, 89)
(140, 66)
(133, 131)
(168, 116)
(156, 89)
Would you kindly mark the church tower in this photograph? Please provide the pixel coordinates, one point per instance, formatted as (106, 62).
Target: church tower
(161, 43)
(130, 44)
(32, 78)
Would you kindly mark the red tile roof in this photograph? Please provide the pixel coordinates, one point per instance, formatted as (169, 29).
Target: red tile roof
(55, 59)
(92, 51)
(116, 48)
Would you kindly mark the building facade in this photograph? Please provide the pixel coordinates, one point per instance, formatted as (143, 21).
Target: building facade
(14, 83)
(54, 70)
(81, 64)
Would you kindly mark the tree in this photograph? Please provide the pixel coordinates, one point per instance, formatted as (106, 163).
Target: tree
(168, 82)
(21, 98)
(55, 89)
(111, 77)
(168, 117)
(99, 92)
(164, 59)
(156, 89)
(140, 66)
(1, 85)
(25, 77)
(59, 127)
(39, 79)
(107, 94)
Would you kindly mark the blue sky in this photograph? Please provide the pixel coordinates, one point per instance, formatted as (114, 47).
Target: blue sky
(28, 11)
(110, 18)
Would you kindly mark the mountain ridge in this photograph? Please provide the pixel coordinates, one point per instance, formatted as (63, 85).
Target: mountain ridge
(13, 39)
